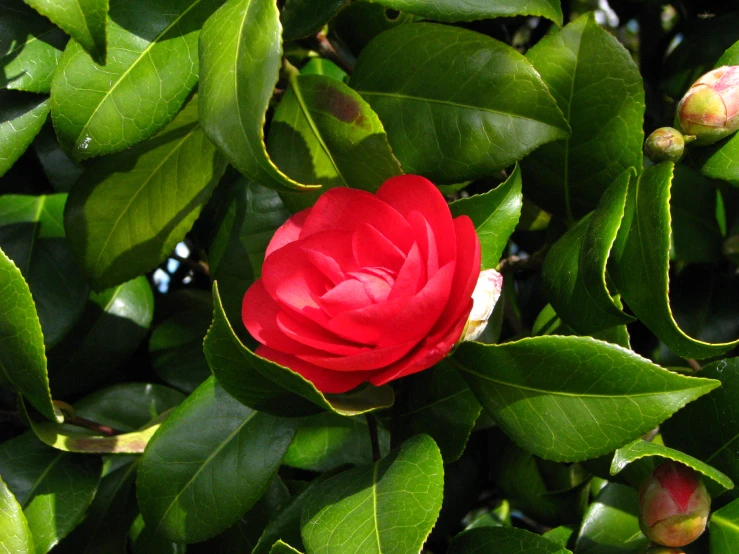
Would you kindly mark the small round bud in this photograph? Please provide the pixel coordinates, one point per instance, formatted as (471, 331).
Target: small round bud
(710, 108)
(665, 145)
(484, 298)
(673, 505)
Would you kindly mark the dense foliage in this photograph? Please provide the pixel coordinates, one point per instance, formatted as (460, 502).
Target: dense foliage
(149, 152)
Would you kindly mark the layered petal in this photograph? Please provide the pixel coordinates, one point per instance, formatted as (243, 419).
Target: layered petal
(287, 232)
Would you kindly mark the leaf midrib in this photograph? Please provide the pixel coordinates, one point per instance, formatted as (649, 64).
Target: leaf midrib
(41, 478)
(141, 56)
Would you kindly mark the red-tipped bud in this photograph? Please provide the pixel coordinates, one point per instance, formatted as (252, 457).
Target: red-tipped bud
(665, 145)
(673, 505)
(710, 108)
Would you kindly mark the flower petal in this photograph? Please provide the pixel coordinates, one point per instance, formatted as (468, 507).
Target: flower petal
(372, 249)
(287, 232)
(315, 336)
(467, 271)
(377, 358)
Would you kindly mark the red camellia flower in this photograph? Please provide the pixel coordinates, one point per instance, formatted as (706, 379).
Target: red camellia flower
(365, 287)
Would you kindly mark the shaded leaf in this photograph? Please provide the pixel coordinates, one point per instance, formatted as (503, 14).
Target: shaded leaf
(236, 85)
(30, 48)
(84, 20)
(574, 272)
(641, 255)
(469, 10)
(505, 540)
(360, 21)
(32, 235)
(232, 453)
(723, 529)
(572, 398)
(450, 113)
(270, 387)
(390, 506)
(127, 212)
(15, 537)
(322, 66)
(152, 65)
(283, 548)
(21, 117)
(54, 488)
(495, 215)
(301, 18)
(61, 170)
(324, 132)
(597, 85)
(145, 541)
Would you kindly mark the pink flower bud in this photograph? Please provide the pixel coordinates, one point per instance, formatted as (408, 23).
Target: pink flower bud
(665, 145)
(710, 108)
(673, 505)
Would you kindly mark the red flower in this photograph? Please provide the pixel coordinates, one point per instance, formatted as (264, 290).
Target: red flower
(365, 287)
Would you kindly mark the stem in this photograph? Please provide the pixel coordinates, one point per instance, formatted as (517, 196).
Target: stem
(372, 426)
(693, 364)
(200, 267)
(92, 426)
(327, 50)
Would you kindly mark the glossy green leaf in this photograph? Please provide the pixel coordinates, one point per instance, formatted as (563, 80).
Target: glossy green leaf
(390, 506)
(15, 536)
(110, 329)
(236, 85)
(450, 113)
(84, 20)
(572, 398)
(54, 488)
(324, 132)
(21, 117)
(549, 323)
(208, 464)
(244, 226)
(22, 356)
(145, 541)
(641, 255)
(105, 529)
(270, 387)
(723, 529)
(503, 540)
(641, 449)
(127, 212)
(469, 10)
(437, 402)
(611, 523)
(30, 48)
(32, 235)
(360, 21)
(322, 66)
(151, 68)
(495, 215)
(283, 548)
(61, 170)
(709, 428)
(326, 441)
(301, 18)
(599, 89)
(574, 272)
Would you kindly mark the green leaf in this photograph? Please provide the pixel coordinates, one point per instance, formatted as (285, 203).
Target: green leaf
(32, 235)
(301, 18)
(723, 529)
(709, 428)
(326, 441)
(270, 387)
(437, 402)
(549, 323)
(324, 132)
(236, 85)
(22, 356)
(450, 113)
(390, 506)
(599, 89)
(54, 488)
(30, 48)
(322, 66)
(61, 170)
(105, 529)
(574, 272)
(470, 10)
(15, 537)
(283, 548)
(21, 117)
(503, 540)
(641, 255)
(110, 329)
(247, 222)
(556, 396)
(84, 20)
(495, 215)
(193, 493)
(151, 68)
(357, 23)
(641, 449)
(127, 212)
(611, 523)
(145, 541)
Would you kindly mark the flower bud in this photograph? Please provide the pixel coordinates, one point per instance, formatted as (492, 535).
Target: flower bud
(710, 108)
(673, 505)
(665, 145)
(485, 296)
